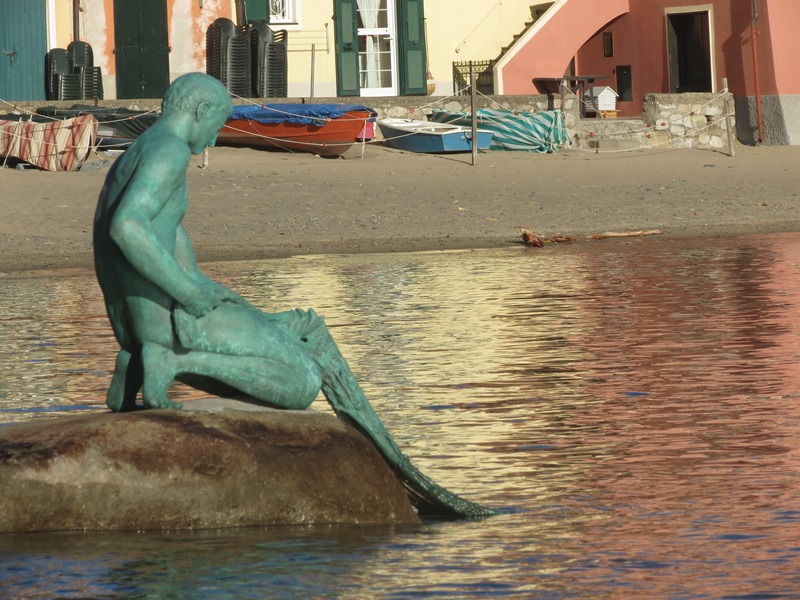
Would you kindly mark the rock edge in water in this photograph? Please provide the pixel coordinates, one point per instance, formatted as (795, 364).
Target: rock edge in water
(221, 463)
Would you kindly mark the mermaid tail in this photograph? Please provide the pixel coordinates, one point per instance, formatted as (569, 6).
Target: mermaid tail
(349, 402)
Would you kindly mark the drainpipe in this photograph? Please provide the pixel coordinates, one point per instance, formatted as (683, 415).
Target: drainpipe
(76, 20)
(754, 36)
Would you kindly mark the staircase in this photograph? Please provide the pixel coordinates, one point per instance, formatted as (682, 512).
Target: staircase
(550, 41)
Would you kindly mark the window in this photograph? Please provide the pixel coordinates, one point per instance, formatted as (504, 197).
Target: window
(608, 44)
(282, 11)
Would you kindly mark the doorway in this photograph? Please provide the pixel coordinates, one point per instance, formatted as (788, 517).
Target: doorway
(377, 59)
(23, 46)
(141, 48)
(689, 40)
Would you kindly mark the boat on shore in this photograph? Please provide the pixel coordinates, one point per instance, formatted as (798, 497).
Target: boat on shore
(431, 137)
(323, 129)
(116, 127)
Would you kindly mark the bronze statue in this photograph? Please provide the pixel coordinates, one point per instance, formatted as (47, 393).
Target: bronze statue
(173, 322)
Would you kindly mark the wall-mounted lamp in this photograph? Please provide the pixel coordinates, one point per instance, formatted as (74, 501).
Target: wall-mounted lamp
(201, 3)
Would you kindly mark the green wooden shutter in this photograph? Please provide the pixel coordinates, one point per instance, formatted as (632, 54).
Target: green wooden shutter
(411, 32)
(257, 10)
(346, 31)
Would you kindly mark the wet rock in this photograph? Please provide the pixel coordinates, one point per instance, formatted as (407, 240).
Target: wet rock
(218, 463)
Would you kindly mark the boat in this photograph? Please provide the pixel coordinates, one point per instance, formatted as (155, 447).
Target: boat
(323, 129)
(514, 130)
(431, 137)
(116, 127)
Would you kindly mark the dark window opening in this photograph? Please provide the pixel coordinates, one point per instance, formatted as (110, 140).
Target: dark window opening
(608, 44)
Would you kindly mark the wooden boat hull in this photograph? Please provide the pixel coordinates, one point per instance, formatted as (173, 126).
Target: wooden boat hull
(324, 136)
(430, 137)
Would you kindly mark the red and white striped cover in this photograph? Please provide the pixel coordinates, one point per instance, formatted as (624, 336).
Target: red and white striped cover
(56, 146)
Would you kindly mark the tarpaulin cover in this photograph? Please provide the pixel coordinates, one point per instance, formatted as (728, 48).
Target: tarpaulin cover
(301, 114)
(54, 146)
(538, 132)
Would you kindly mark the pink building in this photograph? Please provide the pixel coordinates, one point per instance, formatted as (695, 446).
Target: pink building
(638, 47)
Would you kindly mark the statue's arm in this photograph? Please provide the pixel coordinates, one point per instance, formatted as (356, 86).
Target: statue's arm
(184, 251)
(158, 177)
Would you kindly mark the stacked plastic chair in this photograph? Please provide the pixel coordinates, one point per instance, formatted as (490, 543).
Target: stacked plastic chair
(71, 74)
(269, 59)
(90, 78)
(228, 56)
(250, 61)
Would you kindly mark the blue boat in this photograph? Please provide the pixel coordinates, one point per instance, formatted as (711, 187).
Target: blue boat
(431, 137)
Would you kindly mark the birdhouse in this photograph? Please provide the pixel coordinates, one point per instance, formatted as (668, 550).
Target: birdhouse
(601, 98)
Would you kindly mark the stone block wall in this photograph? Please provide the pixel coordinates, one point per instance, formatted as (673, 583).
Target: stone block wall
(691, 120)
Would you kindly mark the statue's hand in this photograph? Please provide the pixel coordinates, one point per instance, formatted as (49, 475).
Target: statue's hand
(229, 295)
(205, 298)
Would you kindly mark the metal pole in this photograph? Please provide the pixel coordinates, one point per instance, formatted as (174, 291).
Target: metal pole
(474, 111)
(756, 77)
(76, 20)
(313, 56)
(728, 121)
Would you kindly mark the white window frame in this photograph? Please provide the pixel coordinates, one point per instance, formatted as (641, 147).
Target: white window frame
(289, 15)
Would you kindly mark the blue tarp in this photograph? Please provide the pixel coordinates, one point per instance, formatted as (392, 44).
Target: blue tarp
(302, 114)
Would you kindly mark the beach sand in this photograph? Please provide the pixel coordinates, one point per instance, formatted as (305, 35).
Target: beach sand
(257, 204)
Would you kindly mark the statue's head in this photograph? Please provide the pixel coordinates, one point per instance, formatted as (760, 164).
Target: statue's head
(206, 100)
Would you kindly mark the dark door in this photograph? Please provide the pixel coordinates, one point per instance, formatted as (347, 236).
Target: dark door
(141, 52)
(23, 47)
(689, 49)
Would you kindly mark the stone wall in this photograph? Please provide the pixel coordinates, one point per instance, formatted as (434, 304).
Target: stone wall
(668, 120)
(690, 120)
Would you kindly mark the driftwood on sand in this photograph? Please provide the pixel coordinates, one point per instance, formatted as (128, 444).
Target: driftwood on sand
(531, 239)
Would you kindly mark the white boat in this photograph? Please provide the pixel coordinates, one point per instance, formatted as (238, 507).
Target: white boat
(430, 136)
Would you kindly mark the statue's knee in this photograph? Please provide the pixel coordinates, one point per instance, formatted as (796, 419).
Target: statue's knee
(309, 387)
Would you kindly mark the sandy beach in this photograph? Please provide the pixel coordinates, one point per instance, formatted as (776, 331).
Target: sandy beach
(258, 204)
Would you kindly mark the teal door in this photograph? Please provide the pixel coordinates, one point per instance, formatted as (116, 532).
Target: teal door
(141, 48)
(23, 47)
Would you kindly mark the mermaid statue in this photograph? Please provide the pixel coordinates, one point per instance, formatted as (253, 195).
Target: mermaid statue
(172, 322)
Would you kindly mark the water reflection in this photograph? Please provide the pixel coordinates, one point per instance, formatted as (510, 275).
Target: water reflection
(631, 405)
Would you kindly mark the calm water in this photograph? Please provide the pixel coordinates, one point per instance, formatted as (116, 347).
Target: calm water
(631, 407)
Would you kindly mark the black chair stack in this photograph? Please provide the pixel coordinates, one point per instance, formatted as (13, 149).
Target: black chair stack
(268, 48)
(71, 74)
(228, 56)
(91, 80)
(250, 61)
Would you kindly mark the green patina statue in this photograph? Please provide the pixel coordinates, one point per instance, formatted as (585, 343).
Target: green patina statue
(173, 322)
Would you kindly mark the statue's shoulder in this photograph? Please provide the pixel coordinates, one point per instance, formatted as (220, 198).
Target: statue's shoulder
(163, 157)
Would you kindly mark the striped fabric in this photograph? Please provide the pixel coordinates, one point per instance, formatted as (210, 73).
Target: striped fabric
(55, 146)
(538, 132)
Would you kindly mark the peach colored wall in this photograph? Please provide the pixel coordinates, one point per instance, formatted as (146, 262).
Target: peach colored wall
(779, 46)
(644, 28)
(187, 23)
(550, 50)
(640, 40)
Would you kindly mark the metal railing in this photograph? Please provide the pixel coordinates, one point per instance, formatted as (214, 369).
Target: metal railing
(484, 78)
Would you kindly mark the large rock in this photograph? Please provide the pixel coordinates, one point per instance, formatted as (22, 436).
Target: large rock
(200, 468)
